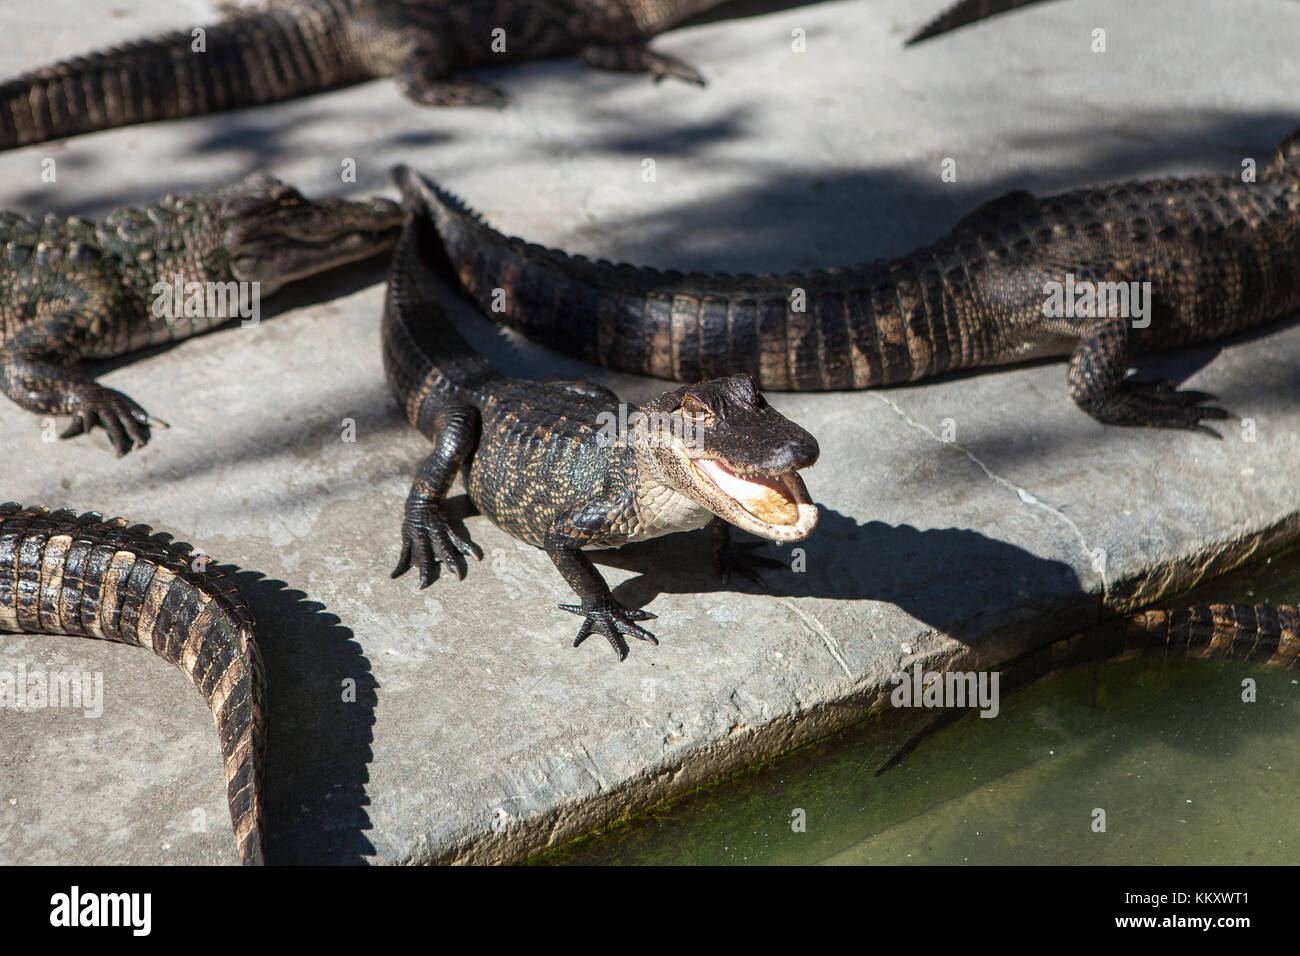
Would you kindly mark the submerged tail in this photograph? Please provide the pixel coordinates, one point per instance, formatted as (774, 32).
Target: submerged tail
(84, 576)
(1260, 634)
(258, 56)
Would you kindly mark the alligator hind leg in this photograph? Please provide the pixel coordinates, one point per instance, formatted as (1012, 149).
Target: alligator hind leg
(635, 58)
(1098, 386)
(427, 535)
(36, 371)
(421, 79)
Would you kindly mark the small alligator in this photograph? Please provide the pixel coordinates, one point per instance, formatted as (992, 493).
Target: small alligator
(291, 48)
(550, 462)
(72, 289)
(1019, 278)
(82, 576)
(1258, 634)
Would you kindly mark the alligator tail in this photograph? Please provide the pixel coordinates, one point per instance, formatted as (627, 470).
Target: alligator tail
(1259, 634)
(85, 576)
(252, 57)
(421, 348)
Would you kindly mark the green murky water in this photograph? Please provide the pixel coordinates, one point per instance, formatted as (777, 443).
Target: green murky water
(1184, 771)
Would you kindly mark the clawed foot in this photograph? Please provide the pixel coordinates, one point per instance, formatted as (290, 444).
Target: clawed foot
(613, 620)
(427, 536)
(739, 559)
(126, 423)
(420, 79)
(1162, 405)
(639, 59)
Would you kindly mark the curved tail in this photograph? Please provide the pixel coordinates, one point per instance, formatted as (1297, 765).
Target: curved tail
(1260, 634)
(423, 352)
(253, 57)
(85, 576)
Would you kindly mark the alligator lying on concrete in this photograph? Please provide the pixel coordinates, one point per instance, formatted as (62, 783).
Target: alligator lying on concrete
(72, 289)
(1099, 274)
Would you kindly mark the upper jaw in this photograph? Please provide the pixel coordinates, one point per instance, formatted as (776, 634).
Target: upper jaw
(277, 260)
(300, 240)
(775, 505)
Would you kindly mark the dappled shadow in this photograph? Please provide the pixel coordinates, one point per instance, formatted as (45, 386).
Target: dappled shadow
(318, 741)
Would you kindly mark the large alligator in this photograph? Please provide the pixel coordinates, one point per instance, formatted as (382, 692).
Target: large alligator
(290, 48)
(1257, 634)
(83, 576)
(1099, 274)
(71, 289)
(562, 465)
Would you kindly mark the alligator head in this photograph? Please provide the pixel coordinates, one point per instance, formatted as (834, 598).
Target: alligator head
(275, 235)
(720, 444)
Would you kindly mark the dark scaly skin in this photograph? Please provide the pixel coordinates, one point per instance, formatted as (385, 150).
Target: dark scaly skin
(291, 48)
(72, 289)
(1221, 256)
(83, 576)
(1257, 634)
(535, 463)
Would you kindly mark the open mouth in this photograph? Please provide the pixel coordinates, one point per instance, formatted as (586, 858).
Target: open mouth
(778, 502)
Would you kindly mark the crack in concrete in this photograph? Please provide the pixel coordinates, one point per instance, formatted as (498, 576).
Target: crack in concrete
(820, 630)
(1023, 494)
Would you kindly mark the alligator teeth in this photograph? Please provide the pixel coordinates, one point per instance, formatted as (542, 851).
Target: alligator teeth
(771, 500)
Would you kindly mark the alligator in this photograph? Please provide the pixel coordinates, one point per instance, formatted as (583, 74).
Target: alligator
(1099, 274)
(71, 289)
(563, 465)
(84, 576)
(1261, 634)
(285, 49)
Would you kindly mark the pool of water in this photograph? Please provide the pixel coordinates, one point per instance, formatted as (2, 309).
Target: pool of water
(1134, 762)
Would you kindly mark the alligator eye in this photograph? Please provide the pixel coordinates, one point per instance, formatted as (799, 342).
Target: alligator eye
(695, 408)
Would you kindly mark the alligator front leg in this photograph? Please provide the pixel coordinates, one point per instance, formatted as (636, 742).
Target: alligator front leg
(36, 372)
(636, 58)
(427, 535)
(1098, 386)
(564, 541)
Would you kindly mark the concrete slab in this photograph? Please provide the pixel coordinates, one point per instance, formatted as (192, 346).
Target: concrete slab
(477, 733)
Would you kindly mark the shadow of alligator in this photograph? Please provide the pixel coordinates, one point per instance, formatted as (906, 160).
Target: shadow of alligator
(318, 736)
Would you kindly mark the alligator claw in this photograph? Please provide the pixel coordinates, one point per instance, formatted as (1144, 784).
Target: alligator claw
(429, 539)
(634, 58)
(613, 621)
(1162, 404)
(126, 423)
(1158, 404)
